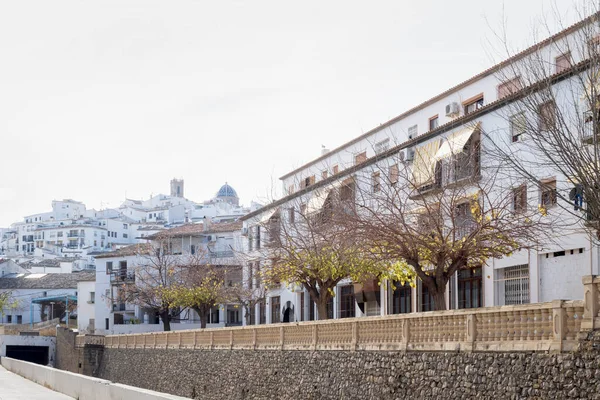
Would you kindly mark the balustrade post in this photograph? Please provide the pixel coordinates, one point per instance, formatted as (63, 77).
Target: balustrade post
(212, 341)
(253, 338)
(231, 339)
(315, 337)
(405, 333)
(179, 339)
(590, 304)
(471, 332)
(354, 343)
(281, 338)
(195, 339)
(558, 326)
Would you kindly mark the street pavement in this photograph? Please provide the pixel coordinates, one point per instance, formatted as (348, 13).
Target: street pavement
(15, 387)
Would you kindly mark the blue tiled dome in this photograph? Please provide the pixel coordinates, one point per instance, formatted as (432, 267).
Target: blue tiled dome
(226, 191)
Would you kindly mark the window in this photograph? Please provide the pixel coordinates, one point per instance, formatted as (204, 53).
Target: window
(106, 324)
(59, 234)
(517, 126)
(335, 169)
(125, 236)
(291, 215)
(324, 174)
(262, 318)
(393, 172)
(308, 181)
(290, 189)
(382, 146)
(413, 131)
(109, 267)
(519, 200)
(509, 87)
(401, 298)
(548, 193)
(92, 297)
(275, 306)
(547, 116)
(9, 319)
(360, 158)
(473, 104)
(434, 122)
(330, 308)
(124, 226)
(469, 288)
(19, 319)
(376, 182)
(512, 285)
(347, 304)
(563, 62)
(427, 303)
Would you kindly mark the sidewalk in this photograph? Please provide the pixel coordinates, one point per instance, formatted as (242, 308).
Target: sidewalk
(15, 387)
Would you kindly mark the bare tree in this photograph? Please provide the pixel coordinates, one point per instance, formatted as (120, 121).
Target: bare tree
(551, 96)
(157, 272)
(441, 212)
(307, 246)
(250, 291)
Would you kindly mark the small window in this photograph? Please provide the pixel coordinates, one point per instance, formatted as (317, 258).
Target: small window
(517, 123)
(360, 158)
(519, 199)
(109, 266)
(291, 215)
(382, 146)
(509, 87)
(393, 174)
(92, 297)
(308, 181)
(547, 116)
(106, 324)
(303, 209)
(548, 193)
(9, 319)
(434, 122)
(19, 319)
(336, 169)
(563, 62)
(290, 189)
(324, 174)
(473, 104)
(275, 306)
(376, 182)
(413, 131)
(125, 236)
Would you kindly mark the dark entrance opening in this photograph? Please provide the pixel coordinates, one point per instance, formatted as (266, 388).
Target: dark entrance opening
(288, 314)
(34, 354)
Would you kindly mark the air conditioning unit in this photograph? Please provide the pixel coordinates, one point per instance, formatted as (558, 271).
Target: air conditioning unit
(452, 110)
(212, 238)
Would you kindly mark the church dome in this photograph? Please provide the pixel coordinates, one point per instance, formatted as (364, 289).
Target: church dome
(226, 191)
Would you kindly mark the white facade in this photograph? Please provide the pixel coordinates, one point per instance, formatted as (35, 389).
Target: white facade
(86, 307)
(552, 272)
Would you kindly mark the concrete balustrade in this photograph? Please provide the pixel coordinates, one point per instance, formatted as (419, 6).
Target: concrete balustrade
(552, 326)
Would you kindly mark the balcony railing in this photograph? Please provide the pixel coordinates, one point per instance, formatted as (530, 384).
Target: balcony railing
(122, 276)
(122, 307)
(73, 235)
(221, 254)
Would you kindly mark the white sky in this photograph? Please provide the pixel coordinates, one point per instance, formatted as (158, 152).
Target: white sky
(103, 99)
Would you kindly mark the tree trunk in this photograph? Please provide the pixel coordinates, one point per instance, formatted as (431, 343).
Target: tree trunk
(439, 299)
(203, 313)
(322, 307)
(166, 320)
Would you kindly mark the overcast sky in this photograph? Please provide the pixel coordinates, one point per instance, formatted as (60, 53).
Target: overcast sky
(105, 99)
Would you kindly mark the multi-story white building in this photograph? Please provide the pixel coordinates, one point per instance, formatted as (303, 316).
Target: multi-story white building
(211, 243)
(476, 110)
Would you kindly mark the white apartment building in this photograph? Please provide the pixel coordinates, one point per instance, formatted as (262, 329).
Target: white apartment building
(214, 243)
(477, 109)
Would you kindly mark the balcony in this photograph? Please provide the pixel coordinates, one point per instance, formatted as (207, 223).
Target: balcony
(122, 276)
(590, 131)
(73, 235)
(123, 307)
(221, 254)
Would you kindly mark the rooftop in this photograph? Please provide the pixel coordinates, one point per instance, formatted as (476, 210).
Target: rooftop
(46, 281)
(132, 250)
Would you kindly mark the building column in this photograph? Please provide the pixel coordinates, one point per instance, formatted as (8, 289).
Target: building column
(336, 299)
(222, 313)
(383, 298)
(534, 276)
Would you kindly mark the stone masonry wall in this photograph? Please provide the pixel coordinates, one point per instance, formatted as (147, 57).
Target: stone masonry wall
(67, 356)
(244, 374)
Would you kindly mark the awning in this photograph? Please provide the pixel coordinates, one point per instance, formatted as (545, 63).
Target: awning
(455, 143)
(316, 202)
(424, 163)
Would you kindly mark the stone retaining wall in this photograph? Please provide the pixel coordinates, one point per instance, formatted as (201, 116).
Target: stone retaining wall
(247, 374)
